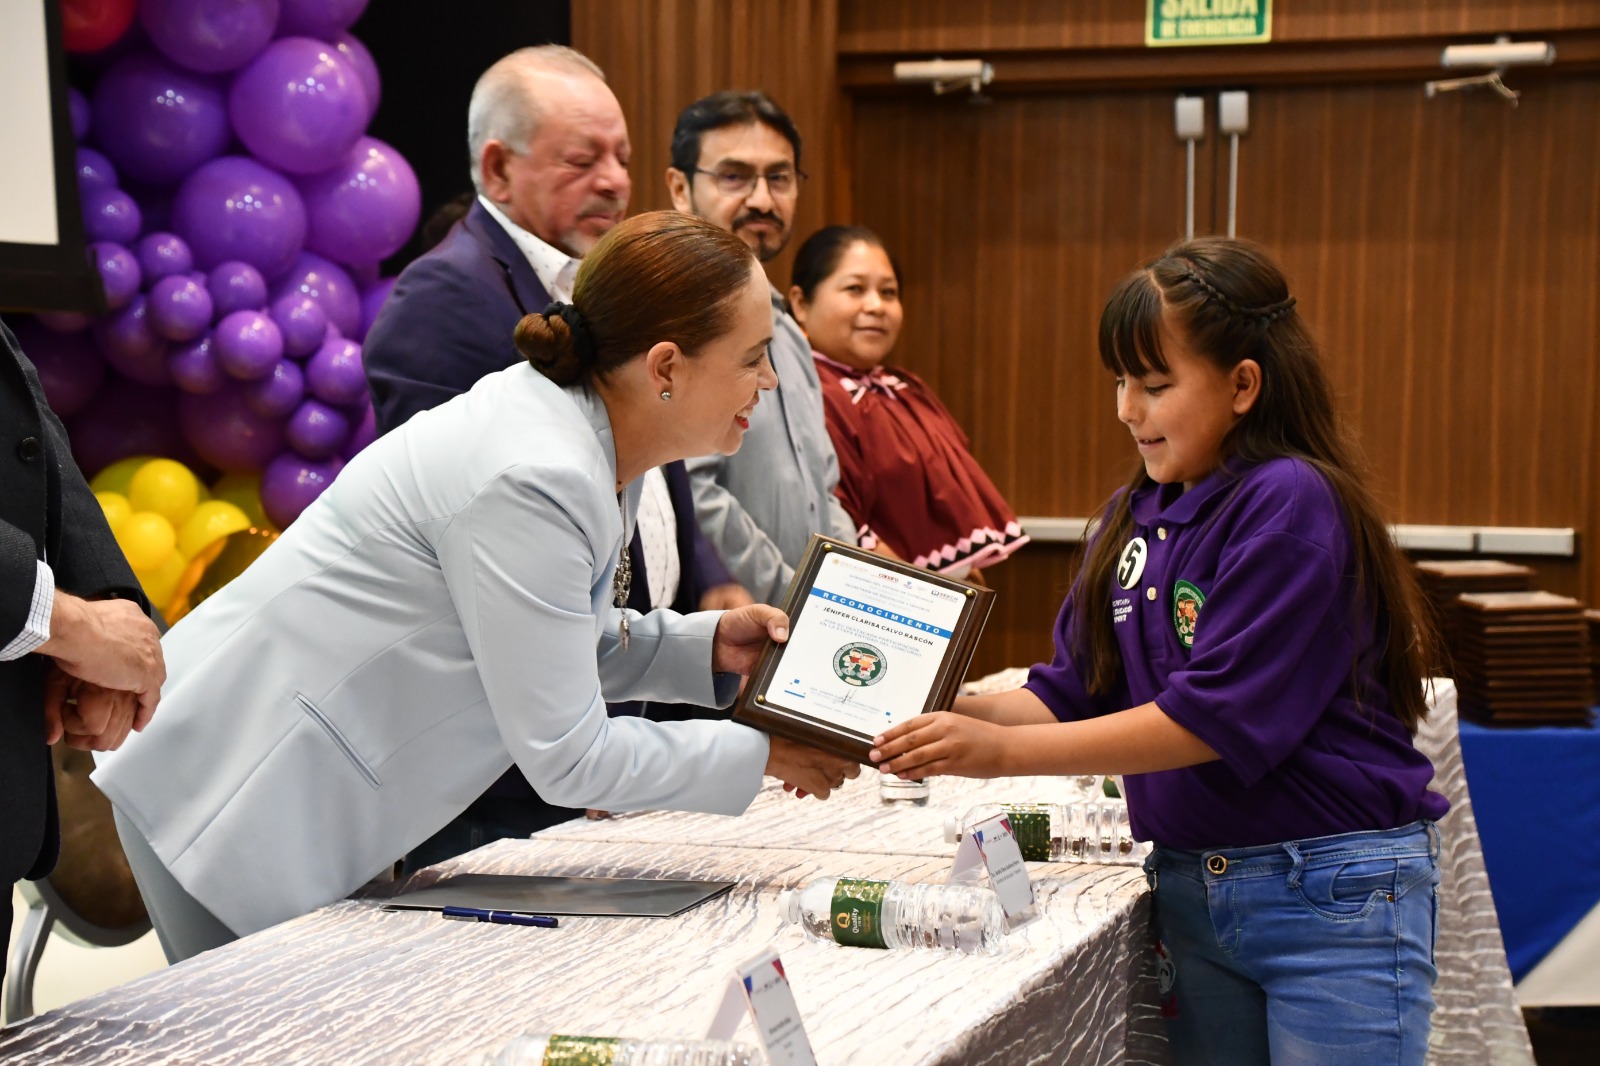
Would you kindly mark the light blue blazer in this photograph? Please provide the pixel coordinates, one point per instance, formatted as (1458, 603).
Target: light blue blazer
(443, 610)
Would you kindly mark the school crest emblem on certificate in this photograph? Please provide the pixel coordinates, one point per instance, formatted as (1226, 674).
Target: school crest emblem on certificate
(860, 664)
(1186, 603)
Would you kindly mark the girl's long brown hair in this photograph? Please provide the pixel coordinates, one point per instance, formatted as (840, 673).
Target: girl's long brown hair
(1231, 303)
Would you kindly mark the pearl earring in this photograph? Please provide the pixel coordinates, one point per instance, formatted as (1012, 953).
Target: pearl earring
(666, 394)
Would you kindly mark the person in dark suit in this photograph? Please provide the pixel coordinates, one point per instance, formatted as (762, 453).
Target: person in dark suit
(79, 658)
(550, 150)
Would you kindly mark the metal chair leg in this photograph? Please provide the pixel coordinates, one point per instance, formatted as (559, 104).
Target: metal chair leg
(23, 962)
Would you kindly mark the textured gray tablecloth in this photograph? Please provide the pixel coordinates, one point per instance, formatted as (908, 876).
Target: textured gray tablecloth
(354, 984)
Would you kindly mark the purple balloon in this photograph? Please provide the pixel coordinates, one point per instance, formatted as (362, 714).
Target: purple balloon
(328, 284)
(318, 18)
(126, 418)
(95, 171)
(235, 208)
(180, 308)
(64, 321)
(366, 432)
(248, 345)
(157, 121)
(298, 106)
(365, 275)
(209, 36)
(316, 430)
(131, 346)
(109, 214)
(119, 272)
(70, 367)
(303, 321)
(335, 373)
(372, 302)
(193, 368)
(78, 108)
(163, 254)
(366, 68)
(363, 209)
(290, 484)
(226, 433)
(236, 286)
(279, 393)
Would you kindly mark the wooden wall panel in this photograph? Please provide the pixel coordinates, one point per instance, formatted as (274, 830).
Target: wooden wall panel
(1012, 223)
(964, 26)
(1448, 252)
(662, 55)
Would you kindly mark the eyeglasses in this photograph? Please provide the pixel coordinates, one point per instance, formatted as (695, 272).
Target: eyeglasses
(730, 182)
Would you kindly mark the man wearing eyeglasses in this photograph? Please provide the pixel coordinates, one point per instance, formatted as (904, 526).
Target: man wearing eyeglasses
(736, 162)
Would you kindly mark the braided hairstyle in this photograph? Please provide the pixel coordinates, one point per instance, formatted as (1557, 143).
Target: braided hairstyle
(1232, 303)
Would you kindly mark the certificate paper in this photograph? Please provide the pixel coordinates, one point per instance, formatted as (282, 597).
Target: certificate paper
(872, 643)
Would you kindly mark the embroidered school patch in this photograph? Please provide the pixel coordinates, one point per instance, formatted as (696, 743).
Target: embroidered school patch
(1186, 603)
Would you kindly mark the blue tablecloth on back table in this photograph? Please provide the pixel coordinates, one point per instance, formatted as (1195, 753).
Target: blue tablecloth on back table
(1536, 793)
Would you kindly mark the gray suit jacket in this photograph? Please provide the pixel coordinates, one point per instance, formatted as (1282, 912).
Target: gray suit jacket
(442, 610)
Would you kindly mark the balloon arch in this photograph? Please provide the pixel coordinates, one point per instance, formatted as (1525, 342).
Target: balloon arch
(237, 212)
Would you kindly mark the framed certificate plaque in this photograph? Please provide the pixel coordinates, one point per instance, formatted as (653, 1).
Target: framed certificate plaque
(872, 643)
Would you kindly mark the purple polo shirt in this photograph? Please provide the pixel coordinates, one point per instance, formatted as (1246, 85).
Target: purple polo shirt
(1233, 608)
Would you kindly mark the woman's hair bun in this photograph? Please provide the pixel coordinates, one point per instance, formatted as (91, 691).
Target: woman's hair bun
(547, 343)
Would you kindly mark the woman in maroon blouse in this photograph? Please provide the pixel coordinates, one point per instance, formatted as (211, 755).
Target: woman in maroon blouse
(905, 474)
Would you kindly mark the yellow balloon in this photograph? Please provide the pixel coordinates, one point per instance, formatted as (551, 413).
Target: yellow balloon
(115, 478)
(244, 492)
(146, 539)
(161, 582)
(166, 487)
(116, 507)
(211, 521)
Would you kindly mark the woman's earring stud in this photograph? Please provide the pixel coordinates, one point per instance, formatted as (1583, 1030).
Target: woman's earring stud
(666, 394)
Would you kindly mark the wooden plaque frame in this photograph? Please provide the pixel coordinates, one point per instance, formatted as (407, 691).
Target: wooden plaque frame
(753, 707)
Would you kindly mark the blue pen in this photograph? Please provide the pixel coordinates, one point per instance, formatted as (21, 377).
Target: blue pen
(473, 914)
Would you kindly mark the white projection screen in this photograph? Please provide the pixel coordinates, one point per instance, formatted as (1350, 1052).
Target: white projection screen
(42, 256)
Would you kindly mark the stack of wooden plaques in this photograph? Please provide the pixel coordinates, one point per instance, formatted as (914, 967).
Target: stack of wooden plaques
(1443, 580)
(1522, 658)
(1594, 645)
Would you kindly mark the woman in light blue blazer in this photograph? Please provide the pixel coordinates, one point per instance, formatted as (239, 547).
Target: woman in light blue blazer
(446, 608)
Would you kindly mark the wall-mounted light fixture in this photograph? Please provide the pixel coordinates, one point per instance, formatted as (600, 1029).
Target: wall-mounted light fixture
(946, 75)
(1500, 55)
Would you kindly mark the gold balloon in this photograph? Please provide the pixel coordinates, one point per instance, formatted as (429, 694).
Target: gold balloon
(217, 564)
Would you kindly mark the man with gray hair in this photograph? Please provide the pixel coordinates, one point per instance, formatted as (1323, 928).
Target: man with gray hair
(550, 154)
(550, 165)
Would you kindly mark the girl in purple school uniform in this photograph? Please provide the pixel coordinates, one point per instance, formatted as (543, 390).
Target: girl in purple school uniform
(1247, 645)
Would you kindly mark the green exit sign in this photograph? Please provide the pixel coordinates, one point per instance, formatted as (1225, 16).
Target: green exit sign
(1192, 22)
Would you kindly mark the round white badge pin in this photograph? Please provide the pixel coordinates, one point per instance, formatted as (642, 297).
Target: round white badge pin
(1130, 567)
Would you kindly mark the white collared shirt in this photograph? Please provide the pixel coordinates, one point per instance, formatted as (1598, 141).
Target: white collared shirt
(658, 525)
(555, 269)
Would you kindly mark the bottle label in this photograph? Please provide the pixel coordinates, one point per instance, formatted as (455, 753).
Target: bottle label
(1031, 823)
(580, 1051)
(858, 912)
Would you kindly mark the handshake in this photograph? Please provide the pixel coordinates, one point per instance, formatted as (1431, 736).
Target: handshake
(106, 675)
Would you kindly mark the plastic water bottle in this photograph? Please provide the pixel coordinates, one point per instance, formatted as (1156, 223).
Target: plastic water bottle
(897, 914)
(553, 1049)
(1090, 831)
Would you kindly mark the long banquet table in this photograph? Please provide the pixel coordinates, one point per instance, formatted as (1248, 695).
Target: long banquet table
(352, 984)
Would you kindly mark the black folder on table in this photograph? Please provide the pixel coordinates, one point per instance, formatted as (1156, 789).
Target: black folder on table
(587, 897)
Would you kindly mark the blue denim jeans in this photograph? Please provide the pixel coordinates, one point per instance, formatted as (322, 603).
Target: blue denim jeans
(1310, 951)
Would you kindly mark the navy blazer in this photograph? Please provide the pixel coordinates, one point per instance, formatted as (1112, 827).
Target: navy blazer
(46, 512)
(449, 323)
